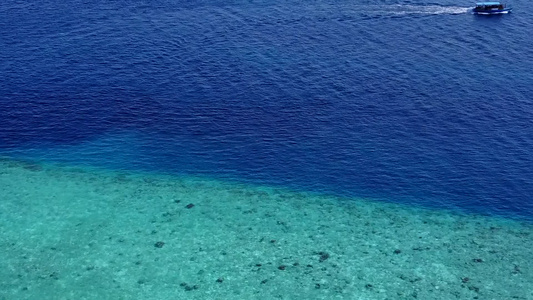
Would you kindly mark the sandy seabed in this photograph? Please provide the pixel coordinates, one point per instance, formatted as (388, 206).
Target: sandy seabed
(73, 233)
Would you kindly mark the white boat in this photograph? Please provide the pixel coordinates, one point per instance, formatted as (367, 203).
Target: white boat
(490, 8)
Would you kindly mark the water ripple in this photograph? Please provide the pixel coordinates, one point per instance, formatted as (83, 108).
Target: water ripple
(401, 100)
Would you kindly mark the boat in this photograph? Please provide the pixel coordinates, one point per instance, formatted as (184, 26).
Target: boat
(490, 8)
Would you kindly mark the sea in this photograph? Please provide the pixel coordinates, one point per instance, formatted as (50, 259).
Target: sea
(298, 133)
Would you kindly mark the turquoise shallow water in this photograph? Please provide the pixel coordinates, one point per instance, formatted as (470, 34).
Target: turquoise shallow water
(80, 233)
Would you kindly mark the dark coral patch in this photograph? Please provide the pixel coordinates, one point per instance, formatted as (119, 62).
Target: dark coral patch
(323, 256)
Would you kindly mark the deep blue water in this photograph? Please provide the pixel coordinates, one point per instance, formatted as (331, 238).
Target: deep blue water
(398, 100)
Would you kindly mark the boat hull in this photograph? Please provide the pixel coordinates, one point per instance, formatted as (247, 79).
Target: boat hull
(492, 12)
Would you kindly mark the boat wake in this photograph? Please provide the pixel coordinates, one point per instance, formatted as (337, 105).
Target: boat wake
(400, 9)
(434, 9)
